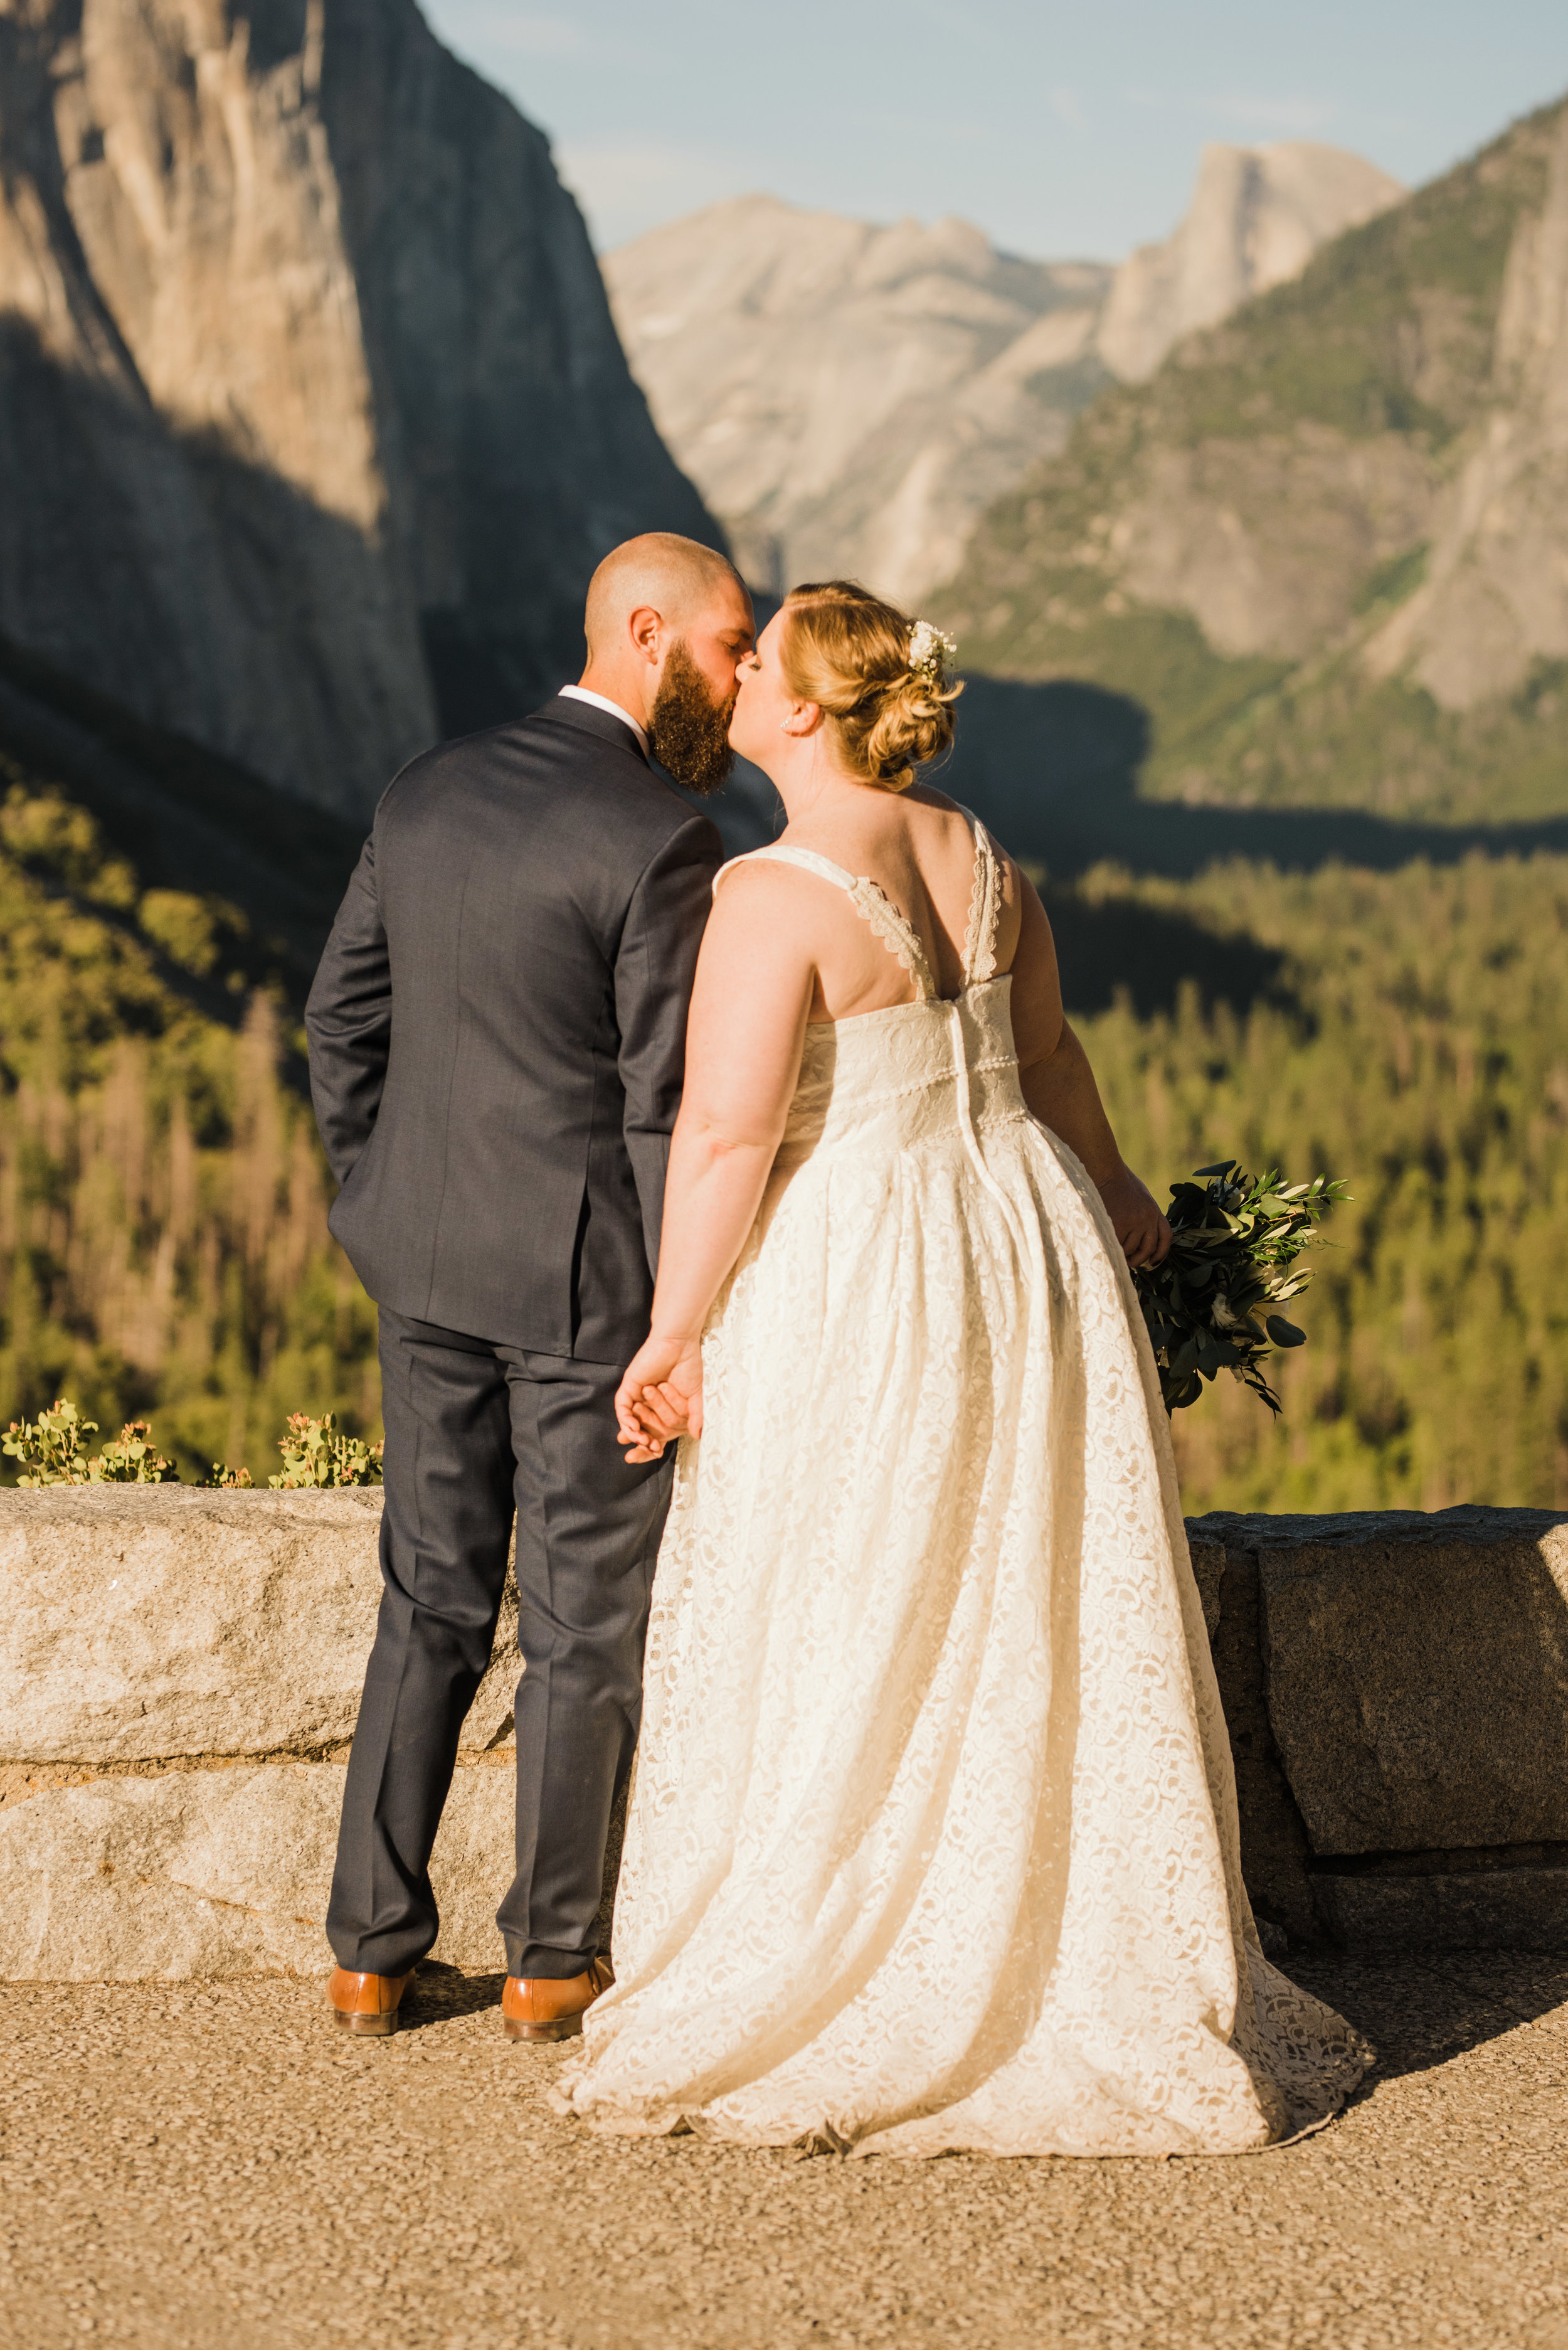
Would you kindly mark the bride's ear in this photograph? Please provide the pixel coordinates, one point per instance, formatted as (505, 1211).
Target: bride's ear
(805, 718)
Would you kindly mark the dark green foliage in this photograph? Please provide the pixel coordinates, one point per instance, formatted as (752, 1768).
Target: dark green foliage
(1236, 1240)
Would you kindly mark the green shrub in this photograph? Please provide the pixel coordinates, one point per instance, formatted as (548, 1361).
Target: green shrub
(50, 1446)
(314, 1454)
(131, 1460)
(50, 1449)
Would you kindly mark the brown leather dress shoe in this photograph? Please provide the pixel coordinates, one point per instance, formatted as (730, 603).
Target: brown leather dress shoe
(366, 2004)
(537, 2007)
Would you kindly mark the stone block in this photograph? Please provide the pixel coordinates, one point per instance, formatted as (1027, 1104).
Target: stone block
(1470, 1909)
(1417, 1670)
(1208, 1555)
(222, 1872)
(140, 1623)
(1274, 1852)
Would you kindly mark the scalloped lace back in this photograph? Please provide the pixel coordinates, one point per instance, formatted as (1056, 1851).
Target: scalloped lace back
(896, 932)
(933, 1843)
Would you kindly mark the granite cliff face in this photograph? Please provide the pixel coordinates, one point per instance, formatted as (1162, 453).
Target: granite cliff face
(1323, 546)
(313, 419)
(851, 399)
(1257, 216)
(1494, 603)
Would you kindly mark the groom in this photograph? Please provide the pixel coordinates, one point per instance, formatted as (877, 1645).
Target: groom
(496, 1036)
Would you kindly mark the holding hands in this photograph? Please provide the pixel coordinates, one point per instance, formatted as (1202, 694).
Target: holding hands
(661, 1396)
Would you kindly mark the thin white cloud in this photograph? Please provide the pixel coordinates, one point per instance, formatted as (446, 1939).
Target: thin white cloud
(1067, 107)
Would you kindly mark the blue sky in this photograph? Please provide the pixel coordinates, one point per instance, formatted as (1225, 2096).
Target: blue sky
(1060, 130)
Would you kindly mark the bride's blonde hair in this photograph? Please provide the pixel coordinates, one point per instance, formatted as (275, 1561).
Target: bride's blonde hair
(846, 651)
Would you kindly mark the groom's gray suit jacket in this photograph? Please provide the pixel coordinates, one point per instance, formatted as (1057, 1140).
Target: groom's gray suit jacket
(497, 1032)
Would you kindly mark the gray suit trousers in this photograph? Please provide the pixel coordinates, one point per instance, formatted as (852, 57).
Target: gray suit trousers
(476, 1432)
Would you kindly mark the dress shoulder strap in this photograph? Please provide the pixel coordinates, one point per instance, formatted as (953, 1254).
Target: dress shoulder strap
(863, 894)
(778, 853)
(984, 907)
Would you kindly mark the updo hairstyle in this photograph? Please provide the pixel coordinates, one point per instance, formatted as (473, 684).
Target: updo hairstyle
(846, 651)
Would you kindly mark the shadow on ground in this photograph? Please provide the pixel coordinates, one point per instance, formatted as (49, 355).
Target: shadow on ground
(1420, 2012)
(438, 1992)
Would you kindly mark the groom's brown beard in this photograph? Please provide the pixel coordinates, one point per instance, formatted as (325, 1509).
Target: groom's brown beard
(688, 731)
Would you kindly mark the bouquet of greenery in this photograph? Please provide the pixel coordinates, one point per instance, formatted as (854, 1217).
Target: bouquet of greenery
(1209, 1306)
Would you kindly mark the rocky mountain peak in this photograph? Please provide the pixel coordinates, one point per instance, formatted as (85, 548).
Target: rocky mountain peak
(851, 398)
(1494, 600)
(1317, 559)
(1257, 216)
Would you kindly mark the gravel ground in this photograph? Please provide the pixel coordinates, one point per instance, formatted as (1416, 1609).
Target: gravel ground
(215, 2166)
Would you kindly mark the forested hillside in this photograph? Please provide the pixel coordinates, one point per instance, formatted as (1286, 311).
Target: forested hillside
(1407, 1032)
(164, 1243)
(1321, 549)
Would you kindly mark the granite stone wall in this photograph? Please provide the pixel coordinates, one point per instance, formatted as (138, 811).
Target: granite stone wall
(1396, 1689)
(179, 1672)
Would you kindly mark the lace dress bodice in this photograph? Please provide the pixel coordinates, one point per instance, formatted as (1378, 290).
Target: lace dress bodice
(893, 1079)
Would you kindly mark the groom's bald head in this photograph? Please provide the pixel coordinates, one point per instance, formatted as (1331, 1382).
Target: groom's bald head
(676, 578)
(669, 623)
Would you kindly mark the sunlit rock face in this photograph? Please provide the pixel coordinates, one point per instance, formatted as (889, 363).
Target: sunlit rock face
(313, 419)
(1494, 602)
(850, 399)
(1257, 216)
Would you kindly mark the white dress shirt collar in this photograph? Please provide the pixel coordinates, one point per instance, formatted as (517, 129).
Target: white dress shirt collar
(602, 701)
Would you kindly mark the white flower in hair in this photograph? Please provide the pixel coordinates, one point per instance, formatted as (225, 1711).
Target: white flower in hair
(930, 653)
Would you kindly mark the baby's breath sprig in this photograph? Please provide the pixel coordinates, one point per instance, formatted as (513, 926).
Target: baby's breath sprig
(930, 653)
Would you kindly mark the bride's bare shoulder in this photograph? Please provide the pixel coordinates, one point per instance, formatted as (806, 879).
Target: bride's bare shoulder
(927, 795)
(765, 888)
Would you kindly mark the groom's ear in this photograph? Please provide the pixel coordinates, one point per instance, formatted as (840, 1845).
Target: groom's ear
(645, 627)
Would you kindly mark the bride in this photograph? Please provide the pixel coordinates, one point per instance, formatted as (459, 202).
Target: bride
(932, 1843)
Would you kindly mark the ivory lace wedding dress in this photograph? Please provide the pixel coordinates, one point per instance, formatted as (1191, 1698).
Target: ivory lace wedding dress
(932, 1843)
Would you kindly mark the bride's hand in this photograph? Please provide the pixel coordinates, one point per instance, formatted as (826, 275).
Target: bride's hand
(1134, 1215)
(661, 1396)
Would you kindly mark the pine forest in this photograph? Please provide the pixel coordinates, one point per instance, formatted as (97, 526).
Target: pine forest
(163, 1241)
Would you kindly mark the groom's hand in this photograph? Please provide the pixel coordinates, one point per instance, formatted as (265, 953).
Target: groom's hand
(660, 1398)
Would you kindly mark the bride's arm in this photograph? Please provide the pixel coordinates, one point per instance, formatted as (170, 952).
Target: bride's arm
(743, 1040)
(1058, 1085)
